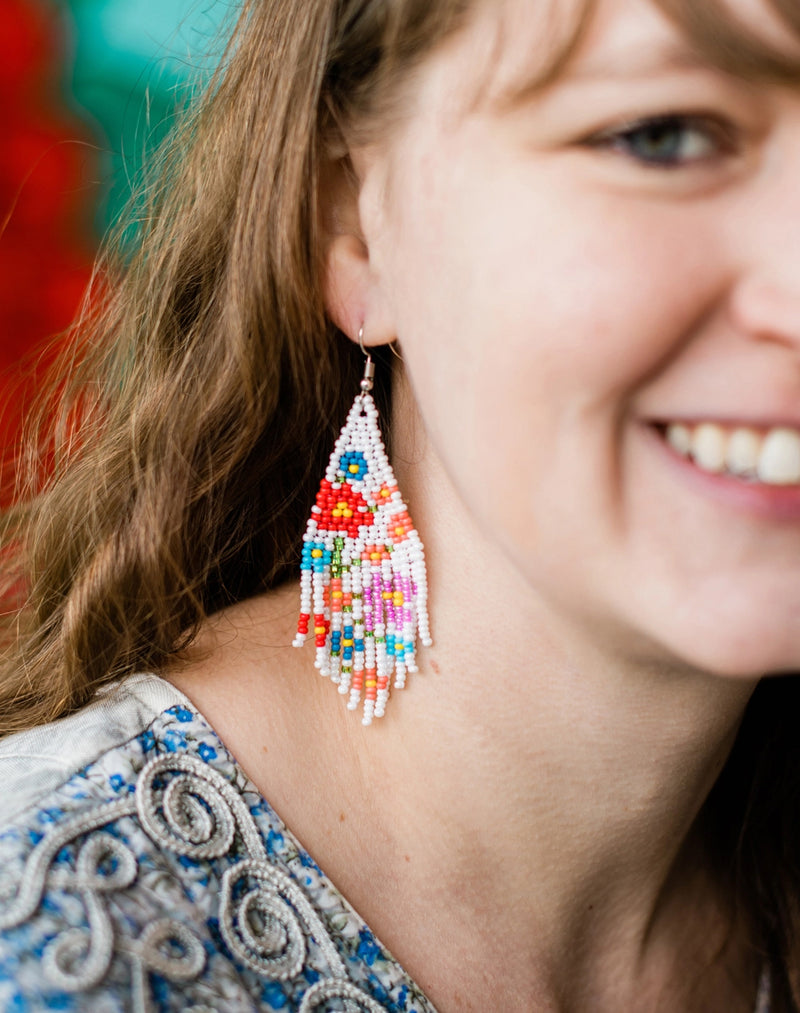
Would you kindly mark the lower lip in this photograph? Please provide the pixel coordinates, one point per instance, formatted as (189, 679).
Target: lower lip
(769, 502)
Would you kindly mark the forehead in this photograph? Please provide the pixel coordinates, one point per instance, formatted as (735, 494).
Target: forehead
(530, 44)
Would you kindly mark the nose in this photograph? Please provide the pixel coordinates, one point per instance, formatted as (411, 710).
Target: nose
(768, 309)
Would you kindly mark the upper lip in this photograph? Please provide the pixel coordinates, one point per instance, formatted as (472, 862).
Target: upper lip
(729, 421)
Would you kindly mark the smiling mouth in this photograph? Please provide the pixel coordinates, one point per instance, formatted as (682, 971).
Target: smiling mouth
(768, 456)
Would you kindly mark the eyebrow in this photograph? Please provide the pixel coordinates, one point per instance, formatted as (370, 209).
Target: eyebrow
(736, 54)
(623, 65)
(626, 64)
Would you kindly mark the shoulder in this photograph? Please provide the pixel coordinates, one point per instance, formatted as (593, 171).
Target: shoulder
(70, 843)
(35, 763)
(140, 868)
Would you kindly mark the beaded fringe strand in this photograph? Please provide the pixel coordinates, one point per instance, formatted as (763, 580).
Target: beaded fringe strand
(363, 581)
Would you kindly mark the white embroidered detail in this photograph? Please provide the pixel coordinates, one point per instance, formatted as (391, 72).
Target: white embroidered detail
(169, 948)
(353, 996)
(260, 927)
(190, 809)
(38, 864)
(79, 958)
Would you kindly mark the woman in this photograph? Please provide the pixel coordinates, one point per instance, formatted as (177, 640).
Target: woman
(577, 223)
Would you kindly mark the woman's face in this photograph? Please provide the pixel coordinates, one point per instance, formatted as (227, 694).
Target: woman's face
(578, 273)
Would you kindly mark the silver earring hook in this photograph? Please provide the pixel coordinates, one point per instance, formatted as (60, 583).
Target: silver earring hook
(369, 365)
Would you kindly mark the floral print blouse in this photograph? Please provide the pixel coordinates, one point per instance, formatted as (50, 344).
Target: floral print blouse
(141, 870)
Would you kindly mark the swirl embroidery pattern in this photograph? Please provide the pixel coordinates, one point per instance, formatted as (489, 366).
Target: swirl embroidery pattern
(187, 808)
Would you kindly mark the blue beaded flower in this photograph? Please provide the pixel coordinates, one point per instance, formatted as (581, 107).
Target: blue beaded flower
(353, 465)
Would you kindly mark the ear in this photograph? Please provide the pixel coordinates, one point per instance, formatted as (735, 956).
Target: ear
(352, 290)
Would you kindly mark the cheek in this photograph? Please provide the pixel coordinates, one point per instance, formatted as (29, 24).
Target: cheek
(530, 315)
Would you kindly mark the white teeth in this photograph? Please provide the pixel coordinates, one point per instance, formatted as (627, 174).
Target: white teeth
(744, 446)
(779, 460)
(708, 447)
(680, 438)
(771, 457)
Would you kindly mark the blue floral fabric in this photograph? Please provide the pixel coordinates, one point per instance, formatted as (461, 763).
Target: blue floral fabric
(141, 870)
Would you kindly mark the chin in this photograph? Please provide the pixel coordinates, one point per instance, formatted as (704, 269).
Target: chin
(730, 622)
(743, 652)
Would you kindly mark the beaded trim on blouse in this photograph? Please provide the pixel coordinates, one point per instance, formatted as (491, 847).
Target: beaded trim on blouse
(163, 881)
(188, 808)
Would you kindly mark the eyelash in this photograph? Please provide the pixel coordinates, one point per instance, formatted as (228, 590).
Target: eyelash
(718, 139)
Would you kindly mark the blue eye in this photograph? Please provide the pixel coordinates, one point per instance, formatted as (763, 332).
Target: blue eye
(669, 141)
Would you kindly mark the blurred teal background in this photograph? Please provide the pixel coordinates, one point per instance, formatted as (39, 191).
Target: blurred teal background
(132, 62)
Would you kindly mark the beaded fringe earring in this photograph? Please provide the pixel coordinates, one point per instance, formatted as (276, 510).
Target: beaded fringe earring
(362, 573)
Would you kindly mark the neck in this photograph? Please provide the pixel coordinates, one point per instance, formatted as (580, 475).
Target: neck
(536, 787)
(575, 752)
(540, 776)
(573, 790)
(541, 824)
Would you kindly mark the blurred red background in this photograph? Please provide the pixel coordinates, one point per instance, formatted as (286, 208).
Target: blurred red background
(48, 193)
(87, 88)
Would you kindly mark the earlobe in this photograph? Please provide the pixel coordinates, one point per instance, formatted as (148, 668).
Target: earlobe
(352, 292)
(347, 282)
(352, 296)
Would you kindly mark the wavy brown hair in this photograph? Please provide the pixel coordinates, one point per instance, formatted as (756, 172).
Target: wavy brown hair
(202, 392)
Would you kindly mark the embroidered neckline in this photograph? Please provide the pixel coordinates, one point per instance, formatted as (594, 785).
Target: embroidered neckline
(187, 808)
